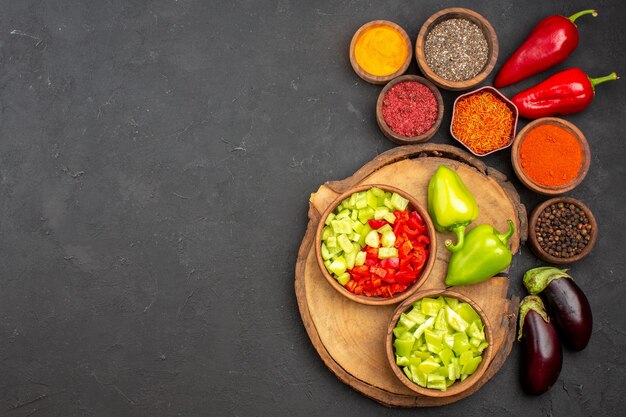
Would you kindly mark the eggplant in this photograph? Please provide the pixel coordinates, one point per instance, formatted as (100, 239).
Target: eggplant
(542, 358)
(567, 303)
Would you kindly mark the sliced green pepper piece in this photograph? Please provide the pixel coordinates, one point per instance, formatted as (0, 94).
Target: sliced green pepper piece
(403, 347)
(431, 306)
(470, 367)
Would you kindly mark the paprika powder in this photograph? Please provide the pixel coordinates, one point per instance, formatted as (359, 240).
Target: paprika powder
(551, 155)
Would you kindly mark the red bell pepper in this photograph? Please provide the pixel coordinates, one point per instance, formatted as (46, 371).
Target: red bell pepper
(549, 44)
(565, 92)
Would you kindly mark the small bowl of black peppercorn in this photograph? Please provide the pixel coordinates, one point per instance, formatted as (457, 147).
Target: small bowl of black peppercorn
(562, 230)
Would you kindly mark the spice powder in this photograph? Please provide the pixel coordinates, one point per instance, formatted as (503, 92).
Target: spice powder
(551, 155)
(381, 50)
(410, 108)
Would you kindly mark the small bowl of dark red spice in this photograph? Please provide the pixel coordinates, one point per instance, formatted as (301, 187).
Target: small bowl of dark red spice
(456, 48)
(409, 110)
(484, 121)
(550, 156)
(375, 244)
(562, 230)
(380, 50)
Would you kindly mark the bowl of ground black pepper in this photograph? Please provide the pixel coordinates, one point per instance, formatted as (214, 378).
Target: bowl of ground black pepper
(456, 49)
(562, 230)
(550, 156)
(409, 110)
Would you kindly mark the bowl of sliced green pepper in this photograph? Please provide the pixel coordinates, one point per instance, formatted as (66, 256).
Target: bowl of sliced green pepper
(439, 343)
(375, 244)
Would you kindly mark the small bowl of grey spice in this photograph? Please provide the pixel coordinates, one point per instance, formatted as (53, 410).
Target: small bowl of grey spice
(456, 49)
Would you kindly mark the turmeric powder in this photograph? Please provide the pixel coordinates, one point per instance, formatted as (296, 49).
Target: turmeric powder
(381, 50)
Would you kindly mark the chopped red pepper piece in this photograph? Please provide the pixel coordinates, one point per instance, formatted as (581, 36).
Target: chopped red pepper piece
(412, 234)
(390, 262)
(360, 270)
(413, 223)
(377, 270)
(419, 257)
(405, 249)
(415, 215)
(376, 224)
(389, 276)
(405, 277)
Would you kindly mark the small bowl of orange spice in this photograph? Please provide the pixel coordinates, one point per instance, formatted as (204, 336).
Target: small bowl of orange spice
(380, 51)
(484, 121)
(550, 156)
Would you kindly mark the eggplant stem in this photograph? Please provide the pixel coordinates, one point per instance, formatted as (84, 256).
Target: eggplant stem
(536, 280)
(528, 303)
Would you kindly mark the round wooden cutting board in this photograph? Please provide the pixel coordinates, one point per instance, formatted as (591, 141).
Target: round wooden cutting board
(350, 337)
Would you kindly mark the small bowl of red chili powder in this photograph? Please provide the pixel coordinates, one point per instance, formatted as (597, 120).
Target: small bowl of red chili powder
(409, 110)
(484, 121)
(550, 156)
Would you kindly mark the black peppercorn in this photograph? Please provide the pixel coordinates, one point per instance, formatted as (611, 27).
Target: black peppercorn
(563, 230)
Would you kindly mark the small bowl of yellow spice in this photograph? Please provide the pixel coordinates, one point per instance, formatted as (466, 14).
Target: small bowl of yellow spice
(380, 51)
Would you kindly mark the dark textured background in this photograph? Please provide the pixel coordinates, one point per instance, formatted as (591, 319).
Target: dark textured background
(156, 159)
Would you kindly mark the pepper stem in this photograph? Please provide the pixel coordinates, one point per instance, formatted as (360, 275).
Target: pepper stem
(504, 237)
(595, 81)
(575, 16)
(460, 239)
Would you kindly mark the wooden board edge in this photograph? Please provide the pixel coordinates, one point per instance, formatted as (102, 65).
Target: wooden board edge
(400, 153)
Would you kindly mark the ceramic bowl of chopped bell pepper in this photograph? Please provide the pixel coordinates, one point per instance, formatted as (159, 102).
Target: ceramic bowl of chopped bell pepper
(439, 343)
(375, 244)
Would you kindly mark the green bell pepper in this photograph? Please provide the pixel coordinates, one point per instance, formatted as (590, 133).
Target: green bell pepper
(450, 204)
(484, 253)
